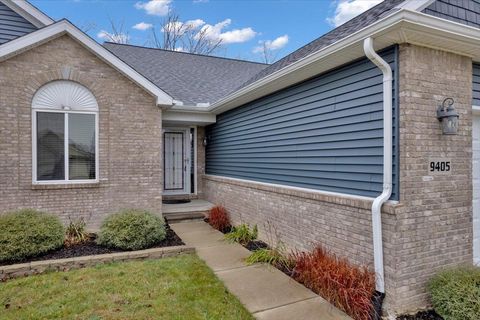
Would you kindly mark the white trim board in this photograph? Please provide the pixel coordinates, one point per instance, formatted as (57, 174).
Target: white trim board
(416, 5)
(29, 12)
(63, 27)
(476, 110)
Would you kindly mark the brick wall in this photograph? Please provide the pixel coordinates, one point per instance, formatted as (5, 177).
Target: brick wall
(302, 218)
(434, 228)
(130, 139)
(430, 227)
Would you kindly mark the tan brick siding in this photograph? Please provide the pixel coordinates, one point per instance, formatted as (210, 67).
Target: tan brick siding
(430, 227)
(130, 141)
(434, 228)
(302, 219)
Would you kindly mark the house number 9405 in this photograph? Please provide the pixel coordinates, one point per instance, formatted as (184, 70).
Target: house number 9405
(440, 166)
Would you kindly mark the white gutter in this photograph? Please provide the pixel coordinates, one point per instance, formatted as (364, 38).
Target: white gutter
(387, 162)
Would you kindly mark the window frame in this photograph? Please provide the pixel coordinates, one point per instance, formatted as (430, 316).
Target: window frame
(35, 181)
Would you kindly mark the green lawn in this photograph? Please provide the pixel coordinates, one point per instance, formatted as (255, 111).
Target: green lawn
(175, 288)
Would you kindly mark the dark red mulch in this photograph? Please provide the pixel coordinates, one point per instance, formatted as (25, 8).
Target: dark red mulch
(422, 315)
(91, 248)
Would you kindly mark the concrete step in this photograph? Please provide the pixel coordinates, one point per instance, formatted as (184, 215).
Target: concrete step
(185, 216)
(194, 210)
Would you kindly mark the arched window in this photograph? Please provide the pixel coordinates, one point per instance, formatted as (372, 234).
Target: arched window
(65, 134)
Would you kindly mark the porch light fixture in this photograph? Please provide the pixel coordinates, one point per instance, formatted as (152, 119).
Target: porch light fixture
(448, 117)
(205, 141)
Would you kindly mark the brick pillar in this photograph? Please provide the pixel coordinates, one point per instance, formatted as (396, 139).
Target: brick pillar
(434, 225)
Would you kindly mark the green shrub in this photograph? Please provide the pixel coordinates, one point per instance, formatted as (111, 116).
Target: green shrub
(242, 234)
(455, 293)
(27, 233)
(132, 229)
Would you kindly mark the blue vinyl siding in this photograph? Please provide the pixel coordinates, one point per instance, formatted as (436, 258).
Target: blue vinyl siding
(12, 25)
(476, 84)
(325, 134)
(462, 11)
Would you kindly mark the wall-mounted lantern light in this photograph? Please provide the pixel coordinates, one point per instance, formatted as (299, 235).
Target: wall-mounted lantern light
(448, 117)
(205, 141)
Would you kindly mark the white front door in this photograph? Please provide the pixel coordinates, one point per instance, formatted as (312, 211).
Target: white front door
(476, 189)
(176, 146)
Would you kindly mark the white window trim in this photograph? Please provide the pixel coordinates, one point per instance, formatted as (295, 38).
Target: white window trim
(34, 149)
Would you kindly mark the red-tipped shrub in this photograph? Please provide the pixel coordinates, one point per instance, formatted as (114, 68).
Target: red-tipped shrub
(218, 218)
(348, 287)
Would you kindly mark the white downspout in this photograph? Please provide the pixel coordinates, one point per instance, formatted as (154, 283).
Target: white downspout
(387, 162)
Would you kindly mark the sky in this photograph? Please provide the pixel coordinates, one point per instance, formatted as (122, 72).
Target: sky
(244, 27)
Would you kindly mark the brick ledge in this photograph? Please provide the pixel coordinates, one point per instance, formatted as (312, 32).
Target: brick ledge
(39, 267)
(330, 197)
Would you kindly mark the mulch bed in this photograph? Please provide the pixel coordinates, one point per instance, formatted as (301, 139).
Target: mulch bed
(91, 248)
(377, 299)
(251, 246)
(422, 315)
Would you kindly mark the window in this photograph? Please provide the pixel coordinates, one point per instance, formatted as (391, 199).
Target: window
(65, 134)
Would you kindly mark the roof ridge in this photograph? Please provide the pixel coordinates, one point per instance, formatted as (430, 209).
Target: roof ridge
(187, 53)
(341, 28)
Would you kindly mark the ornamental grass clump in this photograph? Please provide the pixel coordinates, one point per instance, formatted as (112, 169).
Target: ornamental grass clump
(455, 293)
(242, 234)
(27, 233)
(218, 219)
(276, 256)
(76, 233)
(348, 287)
(132, 229)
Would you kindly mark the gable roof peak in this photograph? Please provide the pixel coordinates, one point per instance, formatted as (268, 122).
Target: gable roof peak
(62, 27)
(28, 11)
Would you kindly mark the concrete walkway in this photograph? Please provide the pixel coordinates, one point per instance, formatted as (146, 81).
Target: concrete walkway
(265, 291)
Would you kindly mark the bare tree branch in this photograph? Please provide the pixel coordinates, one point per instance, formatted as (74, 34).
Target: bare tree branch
(173, 34)
(268, 55)
(119, 33)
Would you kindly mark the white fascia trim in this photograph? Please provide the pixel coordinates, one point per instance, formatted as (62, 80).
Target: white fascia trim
(65, 27)
(390, 23)
(415, 5)
(476, 110)
(188, 117)
(29, 12)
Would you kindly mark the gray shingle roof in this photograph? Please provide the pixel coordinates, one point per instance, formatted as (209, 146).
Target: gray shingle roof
(190, 78)
(365, 19)
(195, 78)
